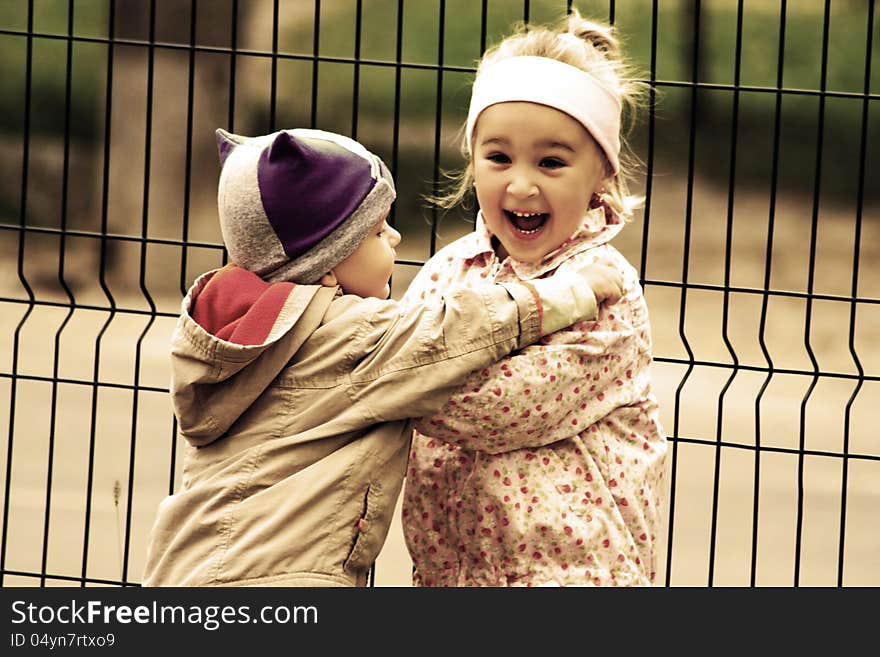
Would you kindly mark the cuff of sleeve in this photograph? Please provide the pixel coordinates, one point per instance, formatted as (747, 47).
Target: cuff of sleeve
(566, 298)
(530, 307)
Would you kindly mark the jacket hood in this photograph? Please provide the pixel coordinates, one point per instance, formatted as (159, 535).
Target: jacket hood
(234, 336)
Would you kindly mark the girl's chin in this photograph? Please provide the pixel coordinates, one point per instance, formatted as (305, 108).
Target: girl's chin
(526, 238)
(526, 248)
(525, 256)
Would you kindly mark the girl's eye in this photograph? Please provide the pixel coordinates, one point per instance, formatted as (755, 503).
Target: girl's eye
(552, 163)
(498, 158)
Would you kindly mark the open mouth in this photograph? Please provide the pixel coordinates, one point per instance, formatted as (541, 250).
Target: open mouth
(527, 223)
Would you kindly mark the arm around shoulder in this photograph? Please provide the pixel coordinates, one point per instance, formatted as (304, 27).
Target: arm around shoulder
(562, 300)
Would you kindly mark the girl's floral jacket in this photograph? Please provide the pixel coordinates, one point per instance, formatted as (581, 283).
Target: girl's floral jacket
(547, 467)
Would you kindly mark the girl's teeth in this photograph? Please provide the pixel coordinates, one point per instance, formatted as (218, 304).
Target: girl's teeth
(527, 223)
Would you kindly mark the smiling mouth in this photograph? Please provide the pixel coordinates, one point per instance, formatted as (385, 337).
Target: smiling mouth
(527, 223)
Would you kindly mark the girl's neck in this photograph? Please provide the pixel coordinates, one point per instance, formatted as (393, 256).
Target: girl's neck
(500, 251)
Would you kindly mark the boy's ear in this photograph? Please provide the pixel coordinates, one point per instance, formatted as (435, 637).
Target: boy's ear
(328, 280)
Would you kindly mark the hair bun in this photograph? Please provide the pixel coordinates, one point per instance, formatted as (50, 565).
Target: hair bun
(599, 36)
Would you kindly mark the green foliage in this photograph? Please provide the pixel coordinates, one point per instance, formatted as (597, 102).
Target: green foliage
(422, 49)
(48, 67)
(756, 75)
(848, 32)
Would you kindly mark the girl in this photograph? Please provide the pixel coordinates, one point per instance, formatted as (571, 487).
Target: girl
(545, 468)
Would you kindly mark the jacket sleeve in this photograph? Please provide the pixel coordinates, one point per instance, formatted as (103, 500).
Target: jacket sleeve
(410, 360)
(544, 393)
(552, 390)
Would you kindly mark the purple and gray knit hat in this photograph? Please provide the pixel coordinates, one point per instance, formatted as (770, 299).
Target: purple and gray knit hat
(296, 203)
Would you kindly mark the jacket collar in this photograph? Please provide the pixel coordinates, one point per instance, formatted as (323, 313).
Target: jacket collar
(597, 228)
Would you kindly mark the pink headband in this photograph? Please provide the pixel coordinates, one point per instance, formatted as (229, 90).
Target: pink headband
(553, 83)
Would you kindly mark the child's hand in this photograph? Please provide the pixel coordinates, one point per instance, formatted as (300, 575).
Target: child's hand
(605, 280)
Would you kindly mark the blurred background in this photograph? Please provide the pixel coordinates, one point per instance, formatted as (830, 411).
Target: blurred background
(758, 152)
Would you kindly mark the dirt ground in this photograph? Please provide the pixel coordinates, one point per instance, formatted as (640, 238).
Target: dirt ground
(802, 422)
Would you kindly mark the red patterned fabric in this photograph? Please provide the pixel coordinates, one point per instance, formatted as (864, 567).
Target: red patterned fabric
(240, 307)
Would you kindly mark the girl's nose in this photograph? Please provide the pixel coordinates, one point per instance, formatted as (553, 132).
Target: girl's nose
(521, 186)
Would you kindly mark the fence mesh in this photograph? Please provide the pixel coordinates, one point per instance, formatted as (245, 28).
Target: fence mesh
(757, 247)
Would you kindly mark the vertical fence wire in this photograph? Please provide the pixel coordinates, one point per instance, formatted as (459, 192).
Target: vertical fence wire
(649, 156)
(438, 118)
(315, 52)
(765, 297)
(187, 186)
(102, 279)
(22, 219)
(142, 283)
(273, 86)
(187, 172)
(395, 129)
(233, 67)
(853, 306)
(646, 219)
(484, 24)
(691, 167)
(811, 274)
(233, 60)
(53, 404)
(356, 84)
(725, 311)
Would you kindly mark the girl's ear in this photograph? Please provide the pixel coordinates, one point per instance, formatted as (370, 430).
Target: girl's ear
(604, 184)
(609, 176)
(328, 280)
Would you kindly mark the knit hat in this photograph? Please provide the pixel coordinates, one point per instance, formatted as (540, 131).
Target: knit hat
(294, 204)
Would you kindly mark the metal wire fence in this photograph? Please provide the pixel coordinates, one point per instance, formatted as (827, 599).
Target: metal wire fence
(757, 248)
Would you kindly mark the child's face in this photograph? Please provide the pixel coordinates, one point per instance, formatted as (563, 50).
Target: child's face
(535, 169)
(366, 272)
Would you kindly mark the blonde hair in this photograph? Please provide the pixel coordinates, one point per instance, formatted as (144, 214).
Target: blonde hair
(592, 47)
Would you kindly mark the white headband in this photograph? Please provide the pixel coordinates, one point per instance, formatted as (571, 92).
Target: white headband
(553, 83)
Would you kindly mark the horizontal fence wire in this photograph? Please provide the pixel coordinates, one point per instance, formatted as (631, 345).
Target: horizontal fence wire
(732, 367)
(417, 66)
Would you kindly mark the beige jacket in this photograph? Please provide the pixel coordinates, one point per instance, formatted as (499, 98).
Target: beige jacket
(295, 403)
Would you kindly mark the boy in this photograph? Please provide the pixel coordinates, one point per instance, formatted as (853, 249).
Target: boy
(295, 378)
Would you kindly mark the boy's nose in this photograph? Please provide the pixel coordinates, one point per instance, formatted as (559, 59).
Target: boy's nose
(393, 237)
